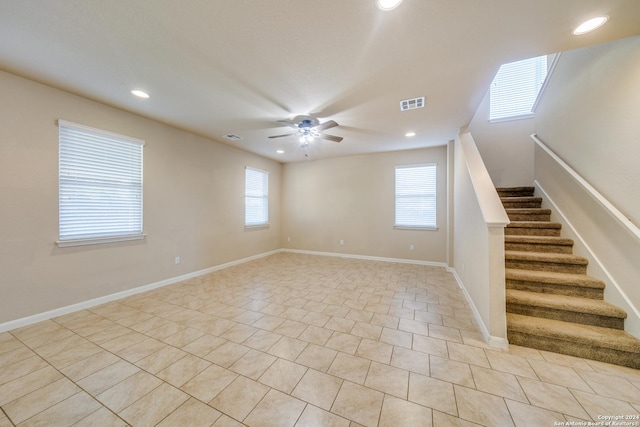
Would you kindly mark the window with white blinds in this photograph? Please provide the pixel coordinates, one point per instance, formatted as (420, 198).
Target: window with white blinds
(515, 88)
(100, 186)
(416, 196)
(256, 198)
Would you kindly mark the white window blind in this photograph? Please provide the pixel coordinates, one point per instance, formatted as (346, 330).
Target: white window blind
(100, 186)
(515, 88)
(256, 197)
(416, 196)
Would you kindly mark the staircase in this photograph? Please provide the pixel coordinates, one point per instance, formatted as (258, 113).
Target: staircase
(552, 304)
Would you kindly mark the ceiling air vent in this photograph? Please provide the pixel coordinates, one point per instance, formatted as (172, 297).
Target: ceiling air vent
(233, 137)
(412, 104)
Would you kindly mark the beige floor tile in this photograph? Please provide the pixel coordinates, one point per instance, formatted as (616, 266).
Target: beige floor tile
(467, 354)
(564, 360)
(15, 355)
(428, 317)
(287, 348)
(239, 398)
(414, 326)
(343, 342)
(291, 328)
(608, 386)
(90, 365)
(316, 318)
(276, 409)
(441, 419)
(316, 417)
(203, 345)
(101, 418)
(445, 333)
(225, 421)
(552, 397)
(208, 383)
(53, 348)
(366, 330)
(160, 359)
(395, 337)
(154, 406)
(510, 364)
(142, 349)
(183, 338)
(451, 371)
(399, 412)
(315, 335)
(192, 413)
(262, 340)
(21, 368)
(432, 393)
(340, 324)
(239, 332)
(598, 405)
(107, 377)
(183, 370)
(226, 354)
(358, 403)
(482, 408)
(373, 350)
(317, 357)
(38, 400)
(560, 375)
(128, 391)
(410, 360)
(526, 415)
(498, 383)
(268, 322)
(26, 384)
(65, 413)
(283, 375)
(248, 317)
(318, 388)
(253, 364)
(350, 368)
(73, 355)
(385, 321)
(388, 379)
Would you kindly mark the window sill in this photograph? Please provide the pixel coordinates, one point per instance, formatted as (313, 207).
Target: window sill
(414, 227)
(256, 227)
(99, 240)
(513, 118)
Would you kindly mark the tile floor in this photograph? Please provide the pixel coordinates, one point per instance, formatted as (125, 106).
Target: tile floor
(298, 340)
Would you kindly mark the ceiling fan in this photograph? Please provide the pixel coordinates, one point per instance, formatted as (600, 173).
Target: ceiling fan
(307, 128)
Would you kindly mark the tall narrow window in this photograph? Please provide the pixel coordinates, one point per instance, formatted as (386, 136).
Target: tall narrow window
(100, 186)
(515, 88)
(256, 198)
(416, 196)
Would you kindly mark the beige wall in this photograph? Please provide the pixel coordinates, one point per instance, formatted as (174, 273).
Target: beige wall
(352, 199)
(193, 204)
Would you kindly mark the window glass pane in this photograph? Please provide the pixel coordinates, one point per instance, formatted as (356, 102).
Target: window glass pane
(515, 87)
(416, 196)
(100, 184)
(256, 197)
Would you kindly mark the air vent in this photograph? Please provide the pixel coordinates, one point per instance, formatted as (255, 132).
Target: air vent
(233, 137)
(412, 104)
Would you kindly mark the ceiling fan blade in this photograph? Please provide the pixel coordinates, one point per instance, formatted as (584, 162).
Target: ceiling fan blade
(289, 123)
(330, 137)
(326, 125)
(280, 136)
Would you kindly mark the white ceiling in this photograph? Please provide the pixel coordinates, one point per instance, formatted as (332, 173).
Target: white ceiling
(215, 67)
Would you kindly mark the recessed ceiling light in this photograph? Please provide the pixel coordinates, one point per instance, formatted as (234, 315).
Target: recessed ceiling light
(410, 134)
(387, 4)
(590, 25)
(140, 93)
(280, 151)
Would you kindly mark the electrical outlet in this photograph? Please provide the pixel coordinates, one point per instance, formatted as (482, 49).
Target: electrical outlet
(341, 242)
(411, 247)
(177, 260)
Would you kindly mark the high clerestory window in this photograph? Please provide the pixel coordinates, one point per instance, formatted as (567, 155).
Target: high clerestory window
(515, 88)
(99, 184)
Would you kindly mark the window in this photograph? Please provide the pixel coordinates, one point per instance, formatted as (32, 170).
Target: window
(416, 196)
(100, 186)
(256, 198)
(515, 88)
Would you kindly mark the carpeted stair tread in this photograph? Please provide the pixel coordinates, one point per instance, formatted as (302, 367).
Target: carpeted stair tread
(521, 202)
(565, 303)
(545, 257)
(552, 277)
(515, 190)
(585, 335)
(534, 224)
(550, 240)
(529, 210)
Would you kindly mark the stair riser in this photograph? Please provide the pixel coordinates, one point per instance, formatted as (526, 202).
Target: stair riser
(566, 316)
(527, 231)
(556, 289)
(529, 216)
(575, 349)
(516, 193)
(538, 247)
(516, 204)
(546, 266)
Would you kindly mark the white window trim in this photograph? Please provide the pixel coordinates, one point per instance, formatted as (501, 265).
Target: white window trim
(261, 225)
(109, 239)
(416, 227)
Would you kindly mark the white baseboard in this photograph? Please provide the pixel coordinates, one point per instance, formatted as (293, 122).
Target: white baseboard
(497, 342)
(367, 257)
(25, 321)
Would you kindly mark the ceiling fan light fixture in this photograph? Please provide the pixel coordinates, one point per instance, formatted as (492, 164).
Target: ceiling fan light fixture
(387, 4)
(140, 93)
(590, 25)
(410, 134)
